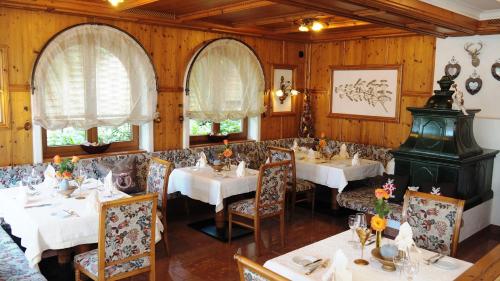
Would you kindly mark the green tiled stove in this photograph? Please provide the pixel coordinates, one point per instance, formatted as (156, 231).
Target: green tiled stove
(441, 149)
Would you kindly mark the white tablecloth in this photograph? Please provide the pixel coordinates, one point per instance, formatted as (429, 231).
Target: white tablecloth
(40, 228)
(335, 173)
(326, 248)
(204, 185)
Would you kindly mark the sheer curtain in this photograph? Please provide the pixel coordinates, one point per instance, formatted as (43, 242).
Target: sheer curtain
(93, 75)
(226, 82)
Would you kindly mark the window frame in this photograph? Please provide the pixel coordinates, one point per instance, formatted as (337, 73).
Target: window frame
(70, 150)
(205, 139)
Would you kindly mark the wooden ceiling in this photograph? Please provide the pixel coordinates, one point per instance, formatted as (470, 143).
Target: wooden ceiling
(344, 19)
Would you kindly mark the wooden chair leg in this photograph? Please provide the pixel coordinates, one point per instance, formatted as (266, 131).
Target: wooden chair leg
(77, 274)
(313, 201)
(282, 229)
(152, 276)
(256, 232)
(294, 201)
(230, 227)
(165, 236)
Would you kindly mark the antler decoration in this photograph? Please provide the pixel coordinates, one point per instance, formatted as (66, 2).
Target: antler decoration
(474, 53)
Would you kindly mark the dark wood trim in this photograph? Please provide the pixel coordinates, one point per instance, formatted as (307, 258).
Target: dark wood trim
(399, 87)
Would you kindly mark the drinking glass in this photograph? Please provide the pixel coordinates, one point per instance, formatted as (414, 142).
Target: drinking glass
(353, 224)
(26, 179)
(399, 261)
(361, 218)
(411, 268)
(35, 178)
(80, 178)
(363, 234)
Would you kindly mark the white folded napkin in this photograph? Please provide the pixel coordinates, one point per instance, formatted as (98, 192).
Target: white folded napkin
(92, 203)
(343, 154)
(295, 146)
(268, 160)
(49, 176)
(404, 240)
(241, 170)
(311, 154)
(202, 162)
(338, 270)
(389, 168)
(109, 185)
(355, 160)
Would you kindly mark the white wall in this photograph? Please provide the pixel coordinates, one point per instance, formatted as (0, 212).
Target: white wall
(487, 122)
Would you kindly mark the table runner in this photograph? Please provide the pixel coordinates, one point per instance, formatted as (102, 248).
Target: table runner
(326, 248)
(335, 173)
(204, 185)
(40, 230)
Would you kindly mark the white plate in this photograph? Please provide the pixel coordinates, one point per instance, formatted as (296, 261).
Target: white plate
(304, 260)
(446, 264)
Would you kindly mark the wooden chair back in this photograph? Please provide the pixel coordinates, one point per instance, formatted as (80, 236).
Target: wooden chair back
(435, 220)
(250, 270)
(277, 153)
(271, 187)
(117, 220)
(157, 181)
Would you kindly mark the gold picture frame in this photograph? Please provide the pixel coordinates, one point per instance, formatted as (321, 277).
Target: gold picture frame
(290, 108)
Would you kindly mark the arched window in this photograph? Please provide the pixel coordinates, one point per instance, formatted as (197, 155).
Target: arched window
(225, 84)
(92, 83)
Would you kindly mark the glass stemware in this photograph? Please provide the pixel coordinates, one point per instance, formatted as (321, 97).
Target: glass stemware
(411, 268)
(363, 234)
(399, 261)
(353, 224)
(361, 219)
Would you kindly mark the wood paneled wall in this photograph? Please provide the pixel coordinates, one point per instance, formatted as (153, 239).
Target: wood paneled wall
(25, 33)
(416, 54)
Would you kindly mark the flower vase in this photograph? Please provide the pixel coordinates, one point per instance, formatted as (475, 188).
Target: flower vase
(63, 184)
(228, 164)
(378, 239)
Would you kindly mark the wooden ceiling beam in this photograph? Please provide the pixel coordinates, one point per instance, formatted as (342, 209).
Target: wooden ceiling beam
(278, 19)
(225, 9)
(420, 11)
(332, 25)
(130, 4)
(329, 9)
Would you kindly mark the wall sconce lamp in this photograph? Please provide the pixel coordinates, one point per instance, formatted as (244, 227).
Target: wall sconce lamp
(115, 2)
(285, 90)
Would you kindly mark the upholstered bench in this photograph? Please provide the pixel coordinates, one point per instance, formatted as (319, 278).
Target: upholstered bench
(13, 263)
(362, 199)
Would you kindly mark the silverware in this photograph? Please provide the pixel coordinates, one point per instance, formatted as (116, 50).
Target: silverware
(369, 243)
(428, 260)
(316, 266)
(312, 262)
(36, 206)
(436, 260)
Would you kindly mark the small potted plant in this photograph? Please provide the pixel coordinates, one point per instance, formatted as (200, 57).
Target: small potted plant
(64, 170)
(379, 221)
(226, 154)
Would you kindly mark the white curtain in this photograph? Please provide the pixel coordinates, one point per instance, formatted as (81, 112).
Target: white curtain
(93, 75)
(226, 82)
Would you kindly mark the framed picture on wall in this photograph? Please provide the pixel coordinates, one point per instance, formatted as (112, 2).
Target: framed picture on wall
(283, 91)
(368, 92)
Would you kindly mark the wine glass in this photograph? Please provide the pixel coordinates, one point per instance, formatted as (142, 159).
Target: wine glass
(353, 224)
(363, 234)
(399, 261)
(411, 268)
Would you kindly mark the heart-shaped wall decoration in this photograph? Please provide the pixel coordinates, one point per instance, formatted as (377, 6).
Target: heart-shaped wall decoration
(452, 70)
(473, 85)
(495, 70)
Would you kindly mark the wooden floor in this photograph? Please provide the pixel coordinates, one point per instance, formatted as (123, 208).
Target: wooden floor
(195, 256)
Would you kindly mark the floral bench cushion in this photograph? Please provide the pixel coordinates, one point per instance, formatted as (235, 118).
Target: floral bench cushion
(363, 200)
(13, 263)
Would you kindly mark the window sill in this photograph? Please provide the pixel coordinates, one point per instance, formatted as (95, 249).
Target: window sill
(197, 145)
(85, 156)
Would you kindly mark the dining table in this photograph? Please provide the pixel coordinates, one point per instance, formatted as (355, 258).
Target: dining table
(213, 187)
(335, 173)
(446, 268)
(46, 220)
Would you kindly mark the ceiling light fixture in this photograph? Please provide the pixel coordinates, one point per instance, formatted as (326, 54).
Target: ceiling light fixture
(306, 25)
(115, 2)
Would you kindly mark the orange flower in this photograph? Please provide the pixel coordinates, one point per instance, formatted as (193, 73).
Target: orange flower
(380, 193)
(66, 174)
(57, 159)
(226, 142)
(322, 143)
(378, 223)
(58, 174)
(75, 159)
(227, 153)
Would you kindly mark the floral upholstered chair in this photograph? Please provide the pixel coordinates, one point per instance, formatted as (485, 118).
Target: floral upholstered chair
(295, 186)
(157, 181)
(435, 221)
(126, 241)
(269, 201)
(251, 271)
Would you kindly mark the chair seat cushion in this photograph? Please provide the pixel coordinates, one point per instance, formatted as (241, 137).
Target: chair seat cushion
(89, 262)
(247, 207)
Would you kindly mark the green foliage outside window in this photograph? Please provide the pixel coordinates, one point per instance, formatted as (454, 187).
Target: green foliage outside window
(202, 128)
(71, 136)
